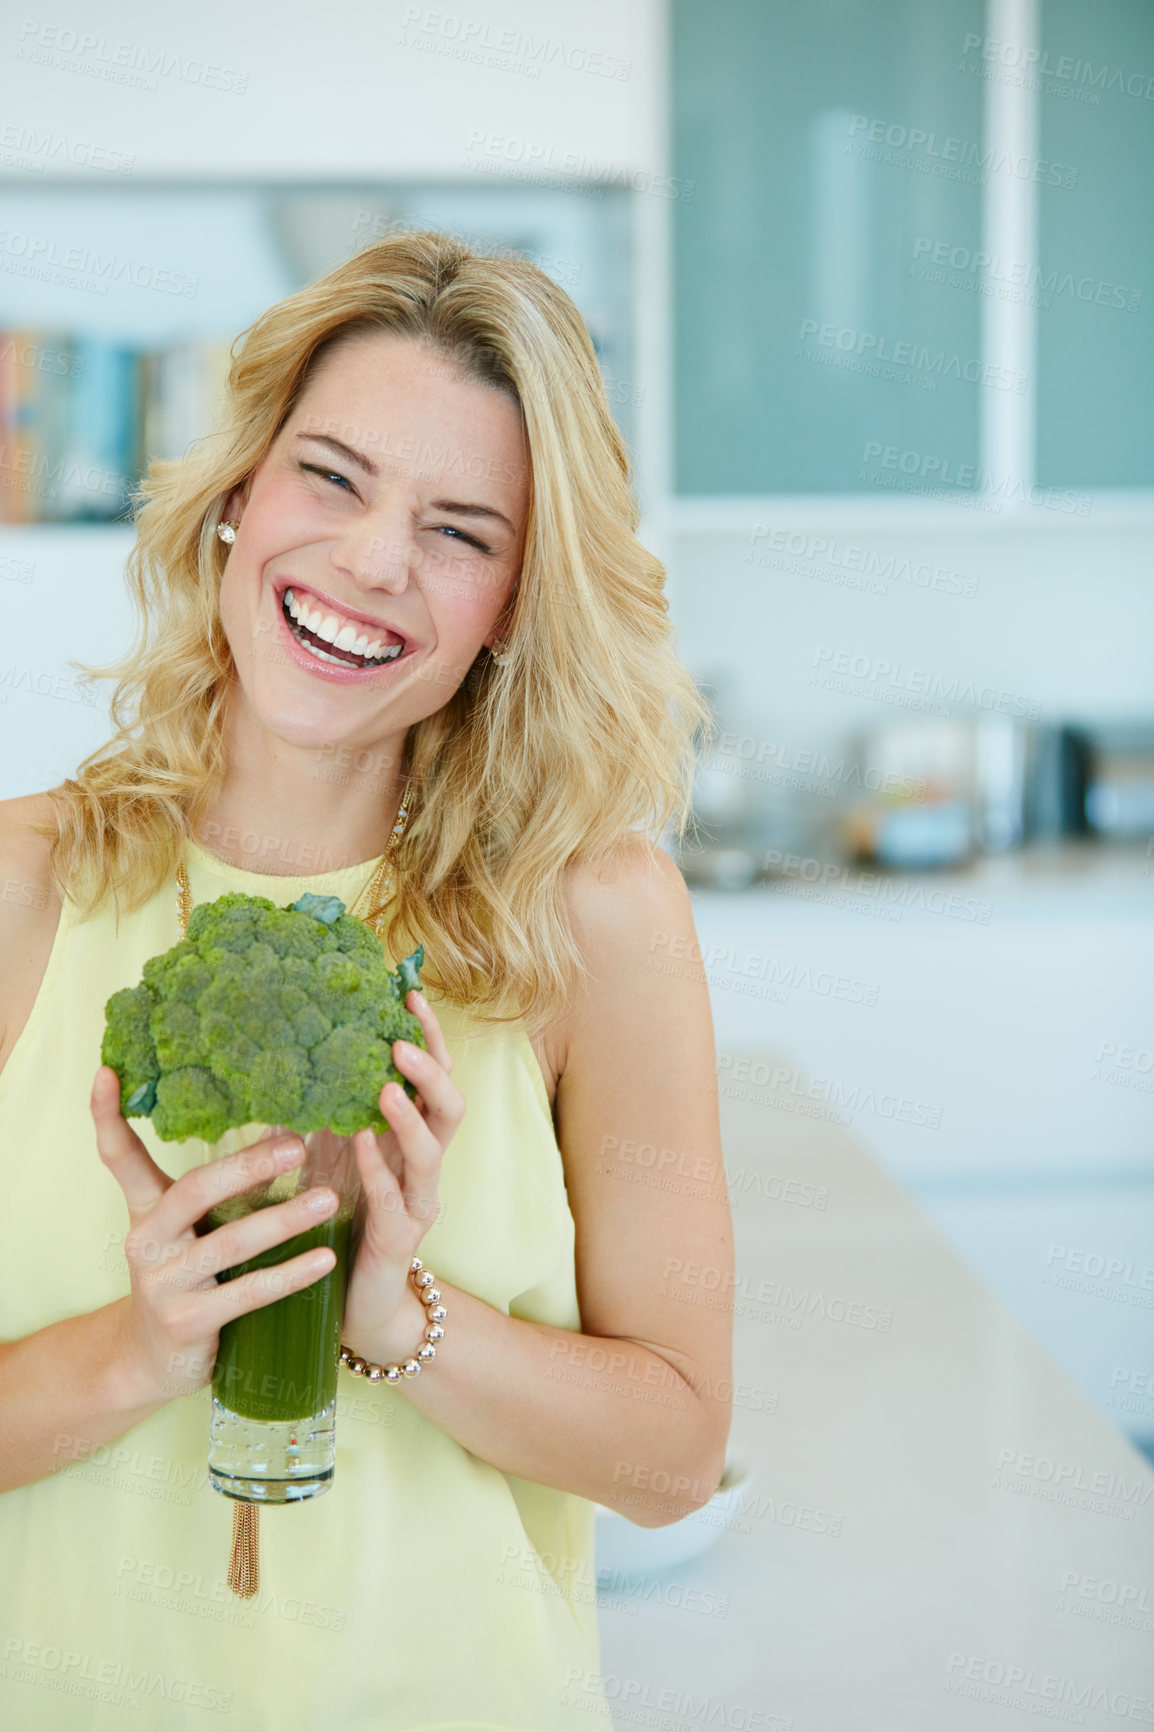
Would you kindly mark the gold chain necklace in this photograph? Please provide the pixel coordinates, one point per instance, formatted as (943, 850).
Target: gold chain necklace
(378, 898)
(244, 1559)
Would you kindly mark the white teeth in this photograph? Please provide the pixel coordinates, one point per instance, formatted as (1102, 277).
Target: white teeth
(341, 637)
(324, 656)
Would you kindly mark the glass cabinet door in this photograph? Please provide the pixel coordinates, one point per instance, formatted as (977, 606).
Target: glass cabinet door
(826, 310)
(1096, 246)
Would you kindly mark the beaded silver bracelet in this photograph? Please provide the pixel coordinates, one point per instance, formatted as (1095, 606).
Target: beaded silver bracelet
(427, 1291)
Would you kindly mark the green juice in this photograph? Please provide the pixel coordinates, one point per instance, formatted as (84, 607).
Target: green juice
(280, 1362)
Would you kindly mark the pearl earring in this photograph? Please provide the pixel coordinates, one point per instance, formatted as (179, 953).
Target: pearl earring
(227, 531)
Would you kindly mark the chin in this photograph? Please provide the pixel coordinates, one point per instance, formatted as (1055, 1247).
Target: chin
(299, 712)
(301, 718)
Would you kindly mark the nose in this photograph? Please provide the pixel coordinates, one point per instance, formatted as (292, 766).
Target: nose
(377, 551)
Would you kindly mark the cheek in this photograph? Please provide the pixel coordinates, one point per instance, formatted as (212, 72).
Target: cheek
(467, 590)
(238, 607)
(228, 609)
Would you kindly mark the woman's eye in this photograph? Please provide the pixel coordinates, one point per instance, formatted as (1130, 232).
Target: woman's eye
(328, 475)
(455, 534)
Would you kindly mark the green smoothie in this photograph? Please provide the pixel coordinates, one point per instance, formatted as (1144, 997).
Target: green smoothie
(280, 1362)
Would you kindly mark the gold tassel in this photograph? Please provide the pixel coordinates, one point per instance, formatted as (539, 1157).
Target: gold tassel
(244, 1565)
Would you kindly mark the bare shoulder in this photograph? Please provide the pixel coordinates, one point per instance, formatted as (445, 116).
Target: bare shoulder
(628, 912)
(626, 895)
(29, 910)
(618, 907)
(638, 1115)
(25, 875)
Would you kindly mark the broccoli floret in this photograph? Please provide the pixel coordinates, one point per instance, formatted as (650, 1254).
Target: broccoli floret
(190, 1095)
(128, 1045)
(263, 1015)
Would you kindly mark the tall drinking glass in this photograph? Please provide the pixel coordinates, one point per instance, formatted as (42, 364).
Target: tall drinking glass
(274, 1384)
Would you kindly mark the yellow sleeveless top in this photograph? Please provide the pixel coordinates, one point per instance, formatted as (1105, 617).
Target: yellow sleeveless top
(426, 1589)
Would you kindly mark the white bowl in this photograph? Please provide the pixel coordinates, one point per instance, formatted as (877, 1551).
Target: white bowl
(623, 1548)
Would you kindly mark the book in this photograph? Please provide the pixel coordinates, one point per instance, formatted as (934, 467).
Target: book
(83, 416)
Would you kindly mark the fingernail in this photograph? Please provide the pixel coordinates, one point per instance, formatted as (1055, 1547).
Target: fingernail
(321, 1202)
(404, 1047)
(289, 1151)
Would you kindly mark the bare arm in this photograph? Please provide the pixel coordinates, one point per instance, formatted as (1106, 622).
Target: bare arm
(85, 1381)
(633, 1412)
(64, 1391)
(69, 1388)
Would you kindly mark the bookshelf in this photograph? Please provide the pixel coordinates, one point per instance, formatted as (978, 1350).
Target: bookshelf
(116, 328)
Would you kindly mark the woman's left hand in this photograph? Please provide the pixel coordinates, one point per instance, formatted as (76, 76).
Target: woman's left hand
(400, 1172)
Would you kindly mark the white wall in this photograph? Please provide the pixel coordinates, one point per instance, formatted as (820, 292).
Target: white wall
(372, 90)
(367, 88)
(62, 597)
(1061, 617)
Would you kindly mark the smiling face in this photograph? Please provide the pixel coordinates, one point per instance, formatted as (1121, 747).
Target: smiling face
(379, 542)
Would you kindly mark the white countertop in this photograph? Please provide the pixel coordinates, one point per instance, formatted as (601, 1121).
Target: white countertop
(1010, 1006)
(1074, 873)
(935, 1504)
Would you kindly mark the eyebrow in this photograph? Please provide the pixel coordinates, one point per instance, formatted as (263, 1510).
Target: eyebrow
(354, 456)
(458, 508)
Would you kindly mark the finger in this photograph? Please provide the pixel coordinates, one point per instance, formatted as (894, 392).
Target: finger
(442, 1100)
(421, 1148)
(386, 1205)
(230, 1299)
(380, 1184)
(204, 1188)
(238, 1241)
(418, 1005)
(121, 1150)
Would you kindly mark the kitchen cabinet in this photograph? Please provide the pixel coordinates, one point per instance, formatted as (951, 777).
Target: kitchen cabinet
(915, 262)
(1096, 276)
(825, 147)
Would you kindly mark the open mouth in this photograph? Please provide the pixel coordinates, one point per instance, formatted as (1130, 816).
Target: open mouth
(340, 642)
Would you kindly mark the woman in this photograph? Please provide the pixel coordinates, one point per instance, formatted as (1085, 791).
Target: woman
(416, 452)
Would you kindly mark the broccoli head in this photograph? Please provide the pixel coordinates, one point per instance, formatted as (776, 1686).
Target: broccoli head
(263, 1015)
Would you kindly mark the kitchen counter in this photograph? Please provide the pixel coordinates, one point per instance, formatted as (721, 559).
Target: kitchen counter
(942, 1534)
(1009, 1004)
(985, 1036)
(1042, 871)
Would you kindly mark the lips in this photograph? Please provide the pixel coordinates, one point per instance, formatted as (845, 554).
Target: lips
(320, 603)
(298, 649)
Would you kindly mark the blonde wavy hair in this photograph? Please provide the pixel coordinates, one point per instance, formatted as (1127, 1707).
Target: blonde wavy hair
(587, 734)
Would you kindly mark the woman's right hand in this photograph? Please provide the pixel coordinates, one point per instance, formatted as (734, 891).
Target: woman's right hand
(177, 1307)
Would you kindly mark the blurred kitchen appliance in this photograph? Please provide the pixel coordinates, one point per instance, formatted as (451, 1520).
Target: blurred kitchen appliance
(1119, 800)
(937, 791)
(745, 802)
(1057, 772)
